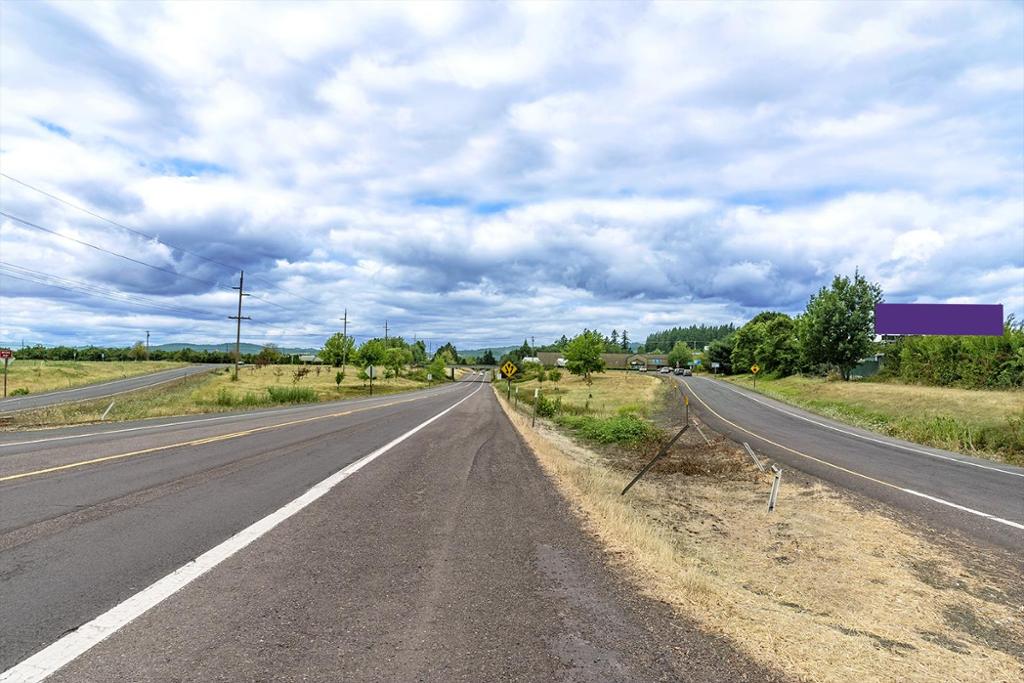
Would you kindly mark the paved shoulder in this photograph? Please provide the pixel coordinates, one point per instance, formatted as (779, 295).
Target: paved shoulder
(102, 390)
(980, 498)
(451, 558)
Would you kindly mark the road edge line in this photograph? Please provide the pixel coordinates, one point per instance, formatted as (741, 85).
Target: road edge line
(55, 656)
(941, 501)
(880, 441)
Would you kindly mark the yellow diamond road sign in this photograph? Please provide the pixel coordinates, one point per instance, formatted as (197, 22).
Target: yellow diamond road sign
(509, 369)
(755, 369)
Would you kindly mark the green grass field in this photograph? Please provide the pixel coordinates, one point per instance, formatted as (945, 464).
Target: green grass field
(38, 376)
(610, 393)
(977, 422)
(613, 409)
(215, 392)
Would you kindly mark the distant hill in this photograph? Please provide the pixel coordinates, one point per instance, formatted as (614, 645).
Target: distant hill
(245, 348)
(496, 350)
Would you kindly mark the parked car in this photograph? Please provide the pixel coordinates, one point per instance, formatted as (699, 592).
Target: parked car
(678, 371)
(665, 370)
(642, 368)
(687, 372)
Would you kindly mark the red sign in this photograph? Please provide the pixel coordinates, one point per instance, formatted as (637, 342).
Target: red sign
(6, 353)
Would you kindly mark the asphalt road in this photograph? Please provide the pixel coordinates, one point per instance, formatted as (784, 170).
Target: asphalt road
(14, 404)
(406, 537)
(982, 499)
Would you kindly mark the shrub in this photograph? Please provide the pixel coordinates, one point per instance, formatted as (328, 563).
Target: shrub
(20, 391)
(620, 429)
(546, 407)
(228, 399)
(554, 375)
(291, 394)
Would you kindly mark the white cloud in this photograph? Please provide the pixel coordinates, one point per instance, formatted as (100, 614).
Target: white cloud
(541, 166)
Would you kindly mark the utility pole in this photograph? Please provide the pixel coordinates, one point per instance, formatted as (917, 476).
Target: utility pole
(344, 337)
(385, 333)
(238, 321)
(147, 344)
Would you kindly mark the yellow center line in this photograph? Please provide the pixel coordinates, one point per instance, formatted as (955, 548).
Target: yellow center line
(787, 448)
(203, 441)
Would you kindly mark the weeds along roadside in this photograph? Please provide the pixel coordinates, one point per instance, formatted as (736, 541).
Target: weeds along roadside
(212, 392)
(980, 422)
(821, 589)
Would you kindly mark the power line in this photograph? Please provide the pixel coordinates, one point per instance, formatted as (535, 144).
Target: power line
(134, 260)
(79, 290)
(106, 292)
(112, 253)
(150, 236)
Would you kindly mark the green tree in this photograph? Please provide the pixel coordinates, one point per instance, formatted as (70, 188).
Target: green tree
(419, 352)
(372, 352)
(268, 355)
(720, 351)
(395, 359)
(337, 348)
(779, 349)
(523, 351)
(450, 350)
(583, 355)
(749, 338)
(625, 341)
(138, 352)
(488, 358)
(555, 375)
(838, 325)
(680, 355)
(437, 367)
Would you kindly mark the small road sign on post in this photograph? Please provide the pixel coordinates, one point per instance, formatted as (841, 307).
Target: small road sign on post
(6, 354)
(509, 369)
(755, 368)
(371, 372)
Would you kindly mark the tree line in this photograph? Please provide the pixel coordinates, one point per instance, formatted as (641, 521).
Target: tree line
(836, 332)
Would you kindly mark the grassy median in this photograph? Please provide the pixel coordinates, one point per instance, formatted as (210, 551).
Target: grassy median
(823, 589)
(978, 422)
(215, 392)
(37, 376)
(613, 408)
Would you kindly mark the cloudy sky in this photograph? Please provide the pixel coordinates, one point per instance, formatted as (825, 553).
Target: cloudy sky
(485, 172)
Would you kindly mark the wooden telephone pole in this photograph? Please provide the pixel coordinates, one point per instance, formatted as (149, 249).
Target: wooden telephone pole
(344, 337)
(238, 321)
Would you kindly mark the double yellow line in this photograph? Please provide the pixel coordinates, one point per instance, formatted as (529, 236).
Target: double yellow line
(203, 441)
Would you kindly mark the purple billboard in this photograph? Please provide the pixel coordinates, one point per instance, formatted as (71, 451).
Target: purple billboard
(972, 319)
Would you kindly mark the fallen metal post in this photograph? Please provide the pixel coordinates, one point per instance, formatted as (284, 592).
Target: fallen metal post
(659, 456)
(754, 458)
(104, 417)
(773, 497)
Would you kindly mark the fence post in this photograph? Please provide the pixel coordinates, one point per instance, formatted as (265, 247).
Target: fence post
(774, 495)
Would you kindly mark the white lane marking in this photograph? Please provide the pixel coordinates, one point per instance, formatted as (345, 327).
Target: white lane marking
(965, 509)
(57, 655)
(868, 438)
(185, 372)
(875, 480)
(235, 416)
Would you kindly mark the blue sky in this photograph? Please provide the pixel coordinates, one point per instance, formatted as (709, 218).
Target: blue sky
(484, 172)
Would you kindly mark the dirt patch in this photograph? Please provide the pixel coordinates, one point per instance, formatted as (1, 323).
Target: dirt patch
(824, 588)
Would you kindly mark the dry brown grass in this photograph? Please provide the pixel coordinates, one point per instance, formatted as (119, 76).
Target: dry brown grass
(51, 375)
(819, 589)
(609, 392)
